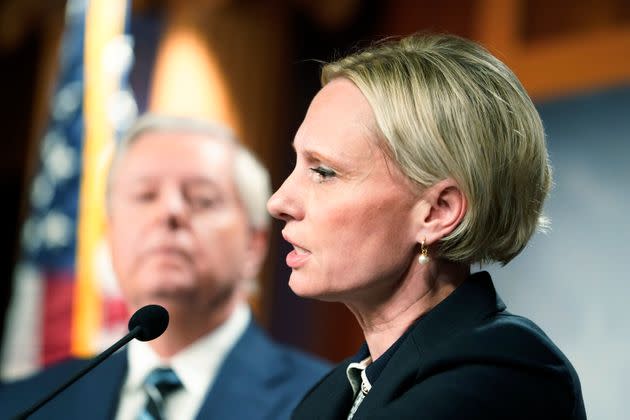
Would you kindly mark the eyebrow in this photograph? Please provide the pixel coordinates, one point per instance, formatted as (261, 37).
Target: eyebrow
(201, 180)
(194, 180)
(315, 156)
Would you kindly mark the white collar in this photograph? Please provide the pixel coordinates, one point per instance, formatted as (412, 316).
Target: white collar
(357, 377)
(198, 364)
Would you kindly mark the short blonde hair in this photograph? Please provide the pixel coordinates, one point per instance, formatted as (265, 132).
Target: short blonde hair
(447, 108)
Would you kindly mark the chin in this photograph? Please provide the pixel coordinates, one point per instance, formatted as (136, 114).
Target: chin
(306, 288)
(168, 295)
(167, 283)
(176, 307)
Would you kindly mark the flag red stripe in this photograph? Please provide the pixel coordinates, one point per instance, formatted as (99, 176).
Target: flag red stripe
(58, 291)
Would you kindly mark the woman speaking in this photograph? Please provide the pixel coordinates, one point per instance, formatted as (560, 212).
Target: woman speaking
(417, 159)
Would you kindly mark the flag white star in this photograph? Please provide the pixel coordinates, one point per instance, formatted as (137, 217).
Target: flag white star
(56, 228)
(31, 240)
(67, 100)
(42, 192)
(61, 162)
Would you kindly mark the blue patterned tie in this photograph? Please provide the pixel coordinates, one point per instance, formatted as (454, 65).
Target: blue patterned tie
(160, 383)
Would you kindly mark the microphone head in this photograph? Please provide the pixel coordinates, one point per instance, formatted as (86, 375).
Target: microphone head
(152, 320)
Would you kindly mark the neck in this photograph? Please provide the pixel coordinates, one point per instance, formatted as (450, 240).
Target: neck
(384, 321)
(187, 325)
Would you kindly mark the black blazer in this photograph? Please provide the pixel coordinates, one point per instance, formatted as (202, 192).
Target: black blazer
(467, 358)
(259, 379)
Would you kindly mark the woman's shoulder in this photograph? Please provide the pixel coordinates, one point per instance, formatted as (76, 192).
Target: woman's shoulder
(504, 338)
(490, 369)
(507, 335)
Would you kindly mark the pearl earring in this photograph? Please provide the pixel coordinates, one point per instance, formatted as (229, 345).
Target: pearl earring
(423, 258)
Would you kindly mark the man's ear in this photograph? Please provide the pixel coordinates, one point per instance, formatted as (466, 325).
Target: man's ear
(256, 251)
(440, 210)
(107, 236)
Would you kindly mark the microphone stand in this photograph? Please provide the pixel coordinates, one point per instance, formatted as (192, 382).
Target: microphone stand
(96, 361)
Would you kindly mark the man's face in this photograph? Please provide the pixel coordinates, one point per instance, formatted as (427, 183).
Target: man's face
(178, 233)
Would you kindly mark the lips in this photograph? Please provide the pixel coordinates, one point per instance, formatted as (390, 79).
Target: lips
(166, 252)
(300, 250)
(299, 256)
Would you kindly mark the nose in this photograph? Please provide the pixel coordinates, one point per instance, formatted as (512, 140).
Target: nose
(173, 208)
(284, 203)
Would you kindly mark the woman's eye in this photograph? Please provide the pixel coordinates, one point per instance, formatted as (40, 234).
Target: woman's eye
(323, 173)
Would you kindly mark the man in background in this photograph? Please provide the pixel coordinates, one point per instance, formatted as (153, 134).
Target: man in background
(187, 229)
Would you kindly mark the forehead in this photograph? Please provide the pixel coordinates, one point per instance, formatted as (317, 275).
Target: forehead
(339, 116)
(177, 154)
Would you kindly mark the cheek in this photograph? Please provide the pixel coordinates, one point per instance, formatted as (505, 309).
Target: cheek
(338, 238)
(220, 240)
(123, 255)
(357, 224)
(366, 240)
(127, 240)
(122, 246)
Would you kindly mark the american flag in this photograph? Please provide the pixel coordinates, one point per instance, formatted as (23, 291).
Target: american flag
(42, 325)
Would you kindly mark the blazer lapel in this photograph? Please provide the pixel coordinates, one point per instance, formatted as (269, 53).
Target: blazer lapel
(332, 401)
(250, 366)
(96, 395)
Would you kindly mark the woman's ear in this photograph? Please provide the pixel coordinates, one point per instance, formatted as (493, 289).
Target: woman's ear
(441, 209)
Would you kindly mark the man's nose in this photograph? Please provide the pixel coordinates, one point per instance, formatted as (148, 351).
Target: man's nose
(174, 208)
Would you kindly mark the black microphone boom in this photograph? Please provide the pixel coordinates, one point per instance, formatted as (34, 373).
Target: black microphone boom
(147, 323)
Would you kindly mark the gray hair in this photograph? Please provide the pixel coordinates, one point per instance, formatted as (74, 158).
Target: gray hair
(447, 108)
(251, 178)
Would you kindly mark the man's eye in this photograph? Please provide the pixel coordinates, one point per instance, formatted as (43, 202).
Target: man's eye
(144, 196)
(323, 173)
(203, 202)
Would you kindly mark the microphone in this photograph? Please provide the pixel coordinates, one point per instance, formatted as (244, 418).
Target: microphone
(147, 323)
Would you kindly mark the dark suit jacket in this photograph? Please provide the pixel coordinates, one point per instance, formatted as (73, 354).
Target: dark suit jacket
(467, 358)
(259, 379)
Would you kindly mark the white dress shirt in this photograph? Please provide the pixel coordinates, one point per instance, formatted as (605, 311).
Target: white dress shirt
(196, 366)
